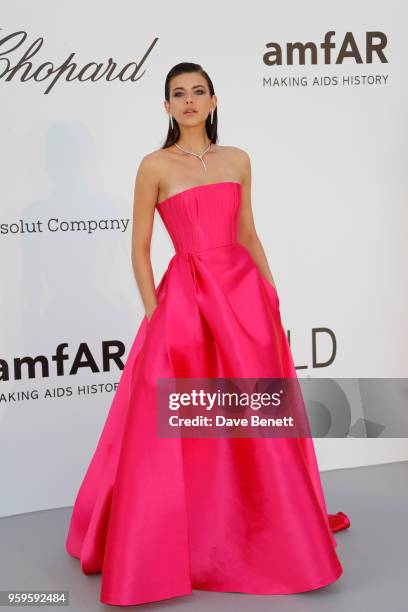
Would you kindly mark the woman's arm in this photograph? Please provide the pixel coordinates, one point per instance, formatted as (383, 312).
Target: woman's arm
(247, 234)
(144, 201)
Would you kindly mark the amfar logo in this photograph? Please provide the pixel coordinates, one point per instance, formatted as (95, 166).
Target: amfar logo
(111, 352)
(24, 69)
(375, 43)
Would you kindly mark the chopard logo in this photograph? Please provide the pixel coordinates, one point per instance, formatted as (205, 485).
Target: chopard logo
(297, 52)
(22, 68)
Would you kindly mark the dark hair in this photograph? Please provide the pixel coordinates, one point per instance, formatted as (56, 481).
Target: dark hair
(211, 128)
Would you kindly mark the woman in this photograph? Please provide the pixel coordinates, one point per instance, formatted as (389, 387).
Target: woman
(160, 516)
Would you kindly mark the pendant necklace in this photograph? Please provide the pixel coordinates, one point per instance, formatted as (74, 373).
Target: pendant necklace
(200, 156)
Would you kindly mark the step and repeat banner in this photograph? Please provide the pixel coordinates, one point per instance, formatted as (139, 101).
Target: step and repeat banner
(315, 94)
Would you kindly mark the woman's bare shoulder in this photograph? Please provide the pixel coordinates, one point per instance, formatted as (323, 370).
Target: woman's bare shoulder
(154, 165)
(237, 152)
(156, 158)
(240, 159)
(158, 161)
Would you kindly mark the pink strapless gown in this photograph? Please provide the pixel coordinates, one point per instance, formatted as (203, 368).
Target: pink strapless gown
(160, 517)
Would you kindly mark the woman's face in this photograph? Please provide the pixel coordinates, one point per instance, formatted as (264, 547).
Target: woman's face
(190, 100)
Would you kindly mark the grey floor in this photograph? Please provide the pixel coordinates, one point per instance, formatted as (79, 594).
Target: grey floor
(373, 552)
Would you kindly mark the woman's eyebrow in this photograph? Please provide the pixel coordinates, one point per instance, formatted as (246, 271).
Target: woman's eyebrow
(194, 86)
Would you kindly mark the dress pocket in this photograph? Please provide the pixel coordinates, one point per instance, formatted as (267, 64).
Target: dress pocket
(270, 288)
(149, 321)
(269, 284)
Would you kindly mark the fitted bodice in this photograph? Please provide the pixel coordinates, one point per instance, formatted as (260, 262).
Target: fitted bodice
(202, 217)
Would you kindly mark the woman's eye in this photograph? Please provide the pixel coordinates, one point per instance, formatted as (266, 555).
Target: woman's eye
(180, 93)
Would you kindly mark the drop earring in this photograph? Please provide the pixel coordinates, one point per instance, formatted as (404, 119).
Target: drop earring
(212, 114)
(171, 121)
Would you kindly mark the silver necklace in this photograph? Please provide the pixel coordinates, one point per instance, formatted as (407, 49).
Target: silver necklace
(200, 156)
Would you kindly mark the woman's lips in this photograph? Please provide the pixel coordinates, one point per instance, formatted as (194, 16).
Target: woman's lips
(190, 112)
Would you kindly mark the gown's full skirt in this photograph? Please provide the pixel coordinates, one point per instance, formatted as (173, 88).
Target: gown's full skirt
(158, 517)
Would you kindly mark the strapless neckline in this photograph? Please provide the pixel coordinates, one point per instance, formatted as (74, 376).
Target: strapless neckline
(175, 195)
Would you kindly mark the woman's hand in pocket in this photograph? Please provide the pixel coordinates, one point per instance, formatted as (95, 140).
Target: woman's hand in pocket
(149, 312)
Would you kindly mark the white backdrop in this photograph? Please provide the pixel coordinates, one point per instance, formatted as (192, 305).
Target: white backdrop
(329, 197)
